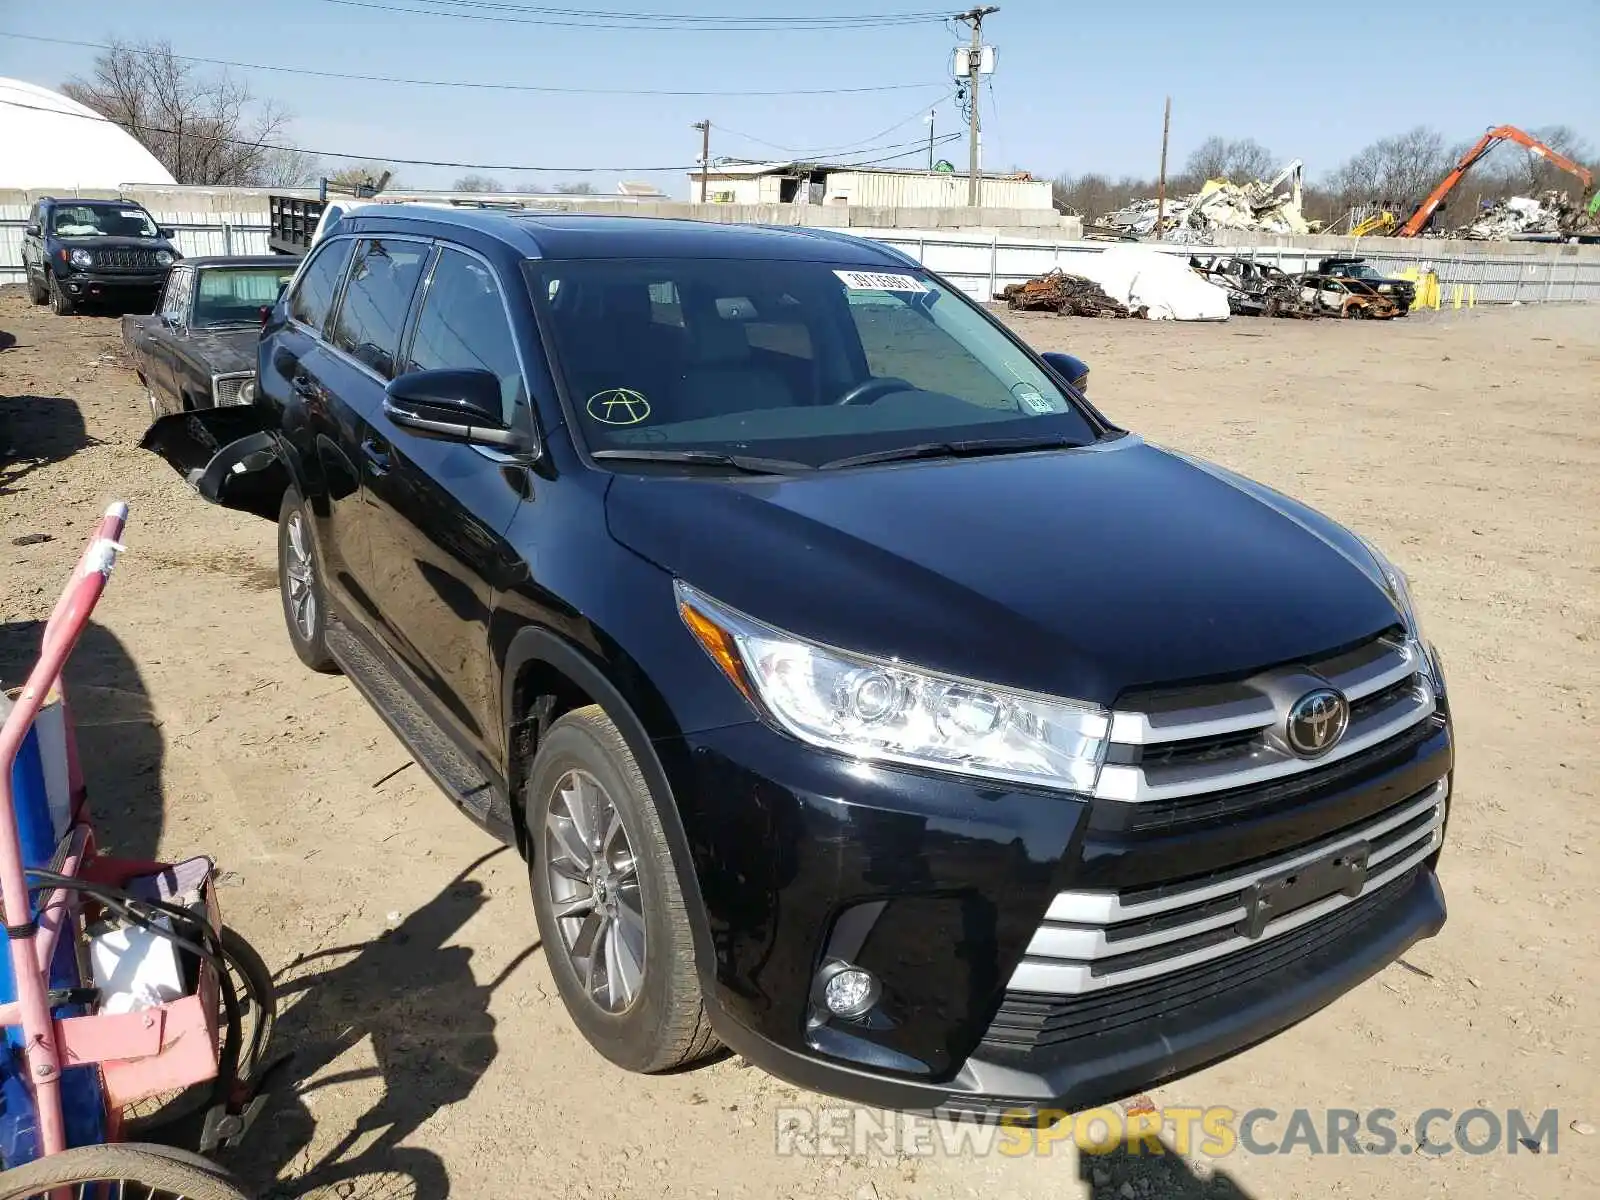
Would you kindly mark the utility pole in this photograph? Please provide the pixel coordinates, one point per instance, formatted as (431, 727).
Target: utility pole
(1161, 182)
(974, 17)
(705, 154)
(931, 113)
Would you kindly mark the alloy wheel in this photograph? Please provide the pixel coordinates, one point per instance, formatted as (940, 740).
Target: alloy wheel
(302, 577)
(593, 883)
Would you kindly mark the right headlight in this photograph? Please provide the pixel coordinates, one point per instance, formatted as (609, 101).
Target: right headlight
(1399, 589)
(883, 710)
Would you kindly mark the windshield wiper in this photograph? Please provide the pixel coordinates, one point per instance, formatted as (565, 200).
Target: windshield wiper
(963, 449)
(753, 465)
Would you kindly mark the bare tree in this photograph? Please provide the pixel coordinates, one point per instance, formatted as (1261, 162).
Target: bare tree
(289, 168)
(205, 129)
(477, 183)
(579, 188)
(1397, 171)
(1239, 160)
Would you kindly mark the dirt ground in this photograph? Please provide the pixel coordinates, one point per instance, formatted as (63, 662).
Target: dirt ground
(434, 1057)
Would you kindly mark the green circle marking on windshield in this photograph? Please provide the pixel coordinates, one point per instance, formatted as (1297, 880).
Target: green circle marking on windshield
(618, 406)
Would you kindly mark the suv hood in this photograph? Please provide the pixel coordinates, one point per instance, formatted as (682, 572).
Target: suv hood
(1076, 573)
(91, 241)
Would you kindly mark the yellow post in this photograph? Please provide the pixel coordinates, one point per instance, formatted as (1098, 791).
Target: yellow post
(1457, 298)
(1472, 295)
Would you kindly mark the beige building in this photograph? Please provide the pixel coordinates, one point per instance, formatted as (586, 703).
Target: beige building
(820, 183)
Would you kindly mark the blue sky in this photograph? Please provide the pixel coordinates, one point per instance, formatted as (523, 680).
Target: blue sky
(1079, 86)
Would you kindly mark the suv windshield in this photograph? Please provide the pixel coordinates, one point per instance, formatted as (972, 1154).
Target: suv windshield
(102, 220)
(231, 295)
(802, 362)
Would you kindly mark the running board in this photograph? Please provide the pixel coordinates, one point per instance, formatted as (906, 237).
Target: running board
(465, 784)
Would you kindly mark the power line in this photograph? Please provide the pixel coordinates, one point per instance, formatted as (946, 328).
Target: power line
(733, 25)
(403, 162)
(494, 87)
(918, 115)
(920, 17)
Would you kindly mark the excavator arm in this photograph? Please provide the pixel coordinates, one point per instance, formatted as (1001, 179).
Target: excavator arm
(1501, 133)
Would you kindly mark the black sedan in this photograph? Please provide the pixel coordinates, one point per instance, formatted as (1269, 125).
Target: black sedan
(198, 350)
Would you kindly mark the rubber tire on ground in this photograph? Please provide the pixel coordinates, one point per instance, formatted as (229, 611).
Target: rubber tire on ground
(151, 1167)
(60, 303)
(666, 1026)
(313, 650)
(38, 293)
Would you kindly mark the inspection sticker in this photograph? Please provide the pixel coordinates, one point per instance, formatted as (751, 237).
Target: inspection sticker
(879, 281)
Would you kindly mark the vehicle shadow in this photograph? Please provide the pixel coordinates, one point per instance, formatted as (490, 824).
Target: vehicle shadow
(414, 995)
(120, 744)
(1130, 1169)
(36, 431)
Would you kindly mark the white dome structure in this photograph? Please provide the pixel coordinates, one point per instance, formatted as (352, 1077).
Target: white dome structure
(51, 141)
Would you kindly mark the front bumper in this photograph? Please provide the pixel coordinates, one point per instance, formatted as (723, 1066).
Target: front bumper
(938, 885)
(90, 285)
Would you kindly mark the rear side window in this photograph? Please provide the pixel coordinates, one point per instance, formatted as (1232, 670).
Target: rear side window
(383, 279)
(319, 283)
(463, 326)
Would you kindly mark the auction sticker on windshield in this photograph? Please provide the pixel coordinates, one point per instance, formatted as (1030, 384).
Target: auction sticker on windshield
(878, 281)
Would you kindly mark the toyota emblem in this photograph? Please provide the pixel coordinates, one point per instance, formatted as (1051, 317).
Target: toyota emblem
(1316, 722)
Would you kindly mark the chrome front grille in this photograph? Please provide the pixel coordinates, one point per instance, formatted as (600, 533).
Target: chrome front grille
(1092, 940)
(1184, 743)
(230, 389)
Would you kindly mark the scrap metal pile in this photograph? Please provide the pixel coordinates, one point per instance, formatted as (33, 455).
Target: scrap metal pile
(1257, 206)
(1549, 212)
(1059, 292)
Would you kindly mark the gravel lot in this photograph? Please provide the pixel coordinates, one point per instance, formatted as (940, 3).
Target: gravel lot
(434, 1056)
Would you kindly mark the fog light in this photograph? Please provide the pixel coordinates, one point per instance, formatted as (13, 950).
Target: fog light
(851, 992)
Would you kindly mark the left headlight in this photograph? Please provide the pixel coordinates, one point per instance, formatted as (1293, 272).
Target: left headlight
(81, 258)
(872, 708)
(163, 258)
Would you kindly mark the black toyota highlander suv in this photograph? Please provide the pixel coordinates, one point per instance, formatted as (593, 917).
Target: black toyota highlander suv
(859, 696)
(76, 251)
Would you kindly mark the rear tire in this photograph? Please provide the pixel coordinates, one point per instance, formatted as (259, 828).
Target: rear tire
(644, 1014)
(60, 303)
(305, 604)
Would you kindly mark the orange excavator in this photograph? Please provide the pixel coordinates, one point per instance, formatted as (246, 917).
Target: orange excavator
(1501, 133)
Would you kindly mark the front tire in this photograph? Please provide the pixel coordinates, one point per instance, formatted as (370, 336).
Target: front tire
(611, 914)
(305, 605)
(60, 303)
(38, 293)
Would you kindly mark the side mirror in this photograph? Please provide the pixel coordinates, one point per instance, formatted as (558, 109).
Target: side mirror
(167, 232)
(1074, 370)
(451, 406)
(33, 230)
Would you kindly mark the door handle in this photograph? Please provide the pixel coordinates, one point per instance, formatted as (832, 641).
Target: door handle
(304, 387)
(377, 455)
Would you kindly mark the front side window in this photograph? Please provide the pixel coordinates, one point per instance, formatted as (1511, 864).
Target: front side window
(319, 284)
(175, 303)
(102, 220)
(803, 361)
(463, 326)
(236, 295)
(383, 278)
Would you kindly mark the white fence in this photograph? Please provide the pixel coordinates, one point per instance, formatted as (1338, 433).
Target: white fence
(982, 265)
